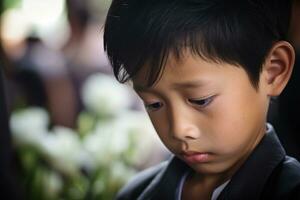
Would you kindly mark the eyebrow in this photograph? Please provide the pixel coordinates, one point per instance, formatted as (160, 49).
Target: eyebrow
(180, 85)
(140, 88)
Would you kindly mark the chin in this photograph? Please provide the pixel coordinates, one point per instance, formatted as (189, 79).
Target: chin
(210, 168)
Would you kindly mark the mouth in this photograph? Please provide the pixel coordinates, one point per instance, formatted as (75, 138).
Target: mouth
(195, 157)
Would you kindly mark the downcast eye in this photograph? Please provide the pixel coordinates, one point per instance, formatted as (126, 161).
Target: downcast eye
(202, 102)
(153, 106)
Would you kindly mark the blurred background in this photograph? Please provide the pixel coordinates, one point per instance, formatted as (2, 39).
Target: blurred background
(75, 133)
(68, 129)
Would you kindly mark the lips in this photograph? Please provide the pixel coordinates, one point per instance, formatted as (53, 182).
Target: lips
(196, 157)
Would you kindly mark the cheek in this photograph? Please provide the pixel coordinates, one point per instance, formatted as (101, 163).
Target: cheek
(160, 125)
(234, 126)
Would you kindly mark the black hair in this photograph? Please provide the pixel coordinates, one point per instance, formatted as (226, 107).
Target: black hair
(239, 32)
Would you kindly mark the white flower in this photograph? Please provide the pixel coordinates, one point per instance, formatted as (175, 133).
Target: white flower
(119, 172)
(99, 143)
(95, 146)
(63, 147)
(104, 95)
(29, 126)
(129, 131)
(143, 135)
(53, 184)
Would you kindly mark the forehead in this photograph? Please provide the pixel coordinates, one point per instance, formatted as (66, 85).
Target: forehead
(188, 71)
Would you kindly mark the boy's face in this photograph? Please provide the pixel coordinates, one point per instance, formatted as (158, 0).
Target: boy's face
(207, 114)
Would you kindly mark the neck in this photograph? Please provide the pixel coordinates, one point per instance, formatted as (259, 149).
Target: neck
(209, 181)
(200, 186)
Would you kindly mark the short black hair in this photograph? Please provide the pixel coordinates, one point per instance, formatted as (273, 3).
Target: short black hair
(239, 32)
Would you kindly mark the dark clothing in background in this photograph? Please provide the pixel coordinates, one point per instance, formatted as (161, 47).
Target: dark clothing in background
(287, 121)
(7, 182)
(267, 174)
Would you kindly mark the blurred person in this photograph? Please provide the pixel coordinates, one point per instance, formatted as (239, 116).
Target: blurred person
(25, 85)
(82, 50)
(43, 80)
(206, 71)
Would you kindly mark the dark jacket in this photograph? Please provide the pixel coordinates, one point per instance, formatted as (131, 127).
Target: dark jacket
(267, 174)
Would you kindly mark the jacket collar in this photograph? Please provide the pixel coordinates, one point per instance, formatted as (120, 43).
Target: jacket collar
(164, 185)
(247, 183)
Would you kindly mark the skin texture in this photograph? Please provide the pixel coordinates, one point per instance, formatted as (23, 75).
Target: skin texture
(212, 108)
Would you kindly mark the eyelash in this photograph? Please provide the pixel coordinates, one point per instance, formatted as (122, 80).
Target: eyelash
(202, 103)
(149, 107)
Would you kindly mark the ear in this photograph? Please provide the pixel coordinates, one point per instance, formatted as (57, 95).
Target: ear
(278, 67)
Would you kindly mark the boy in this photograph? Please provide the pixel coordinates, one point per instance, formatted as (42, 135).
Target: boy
(206, 71)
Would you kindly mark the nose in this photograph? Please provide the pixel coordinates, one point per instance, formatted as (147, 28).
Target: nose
(182, 125)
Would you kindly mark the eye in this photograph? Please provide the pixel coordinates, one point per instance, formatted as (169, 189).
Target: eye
(202, 102)
(153, 106)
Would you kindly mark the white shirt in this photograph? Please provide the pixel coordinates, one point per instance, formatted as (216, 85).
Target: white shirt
(216, 191)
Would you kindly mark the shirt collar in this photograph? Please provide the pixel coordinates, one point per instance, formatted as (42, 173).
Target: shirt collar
(215, 193)
(218, 190)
